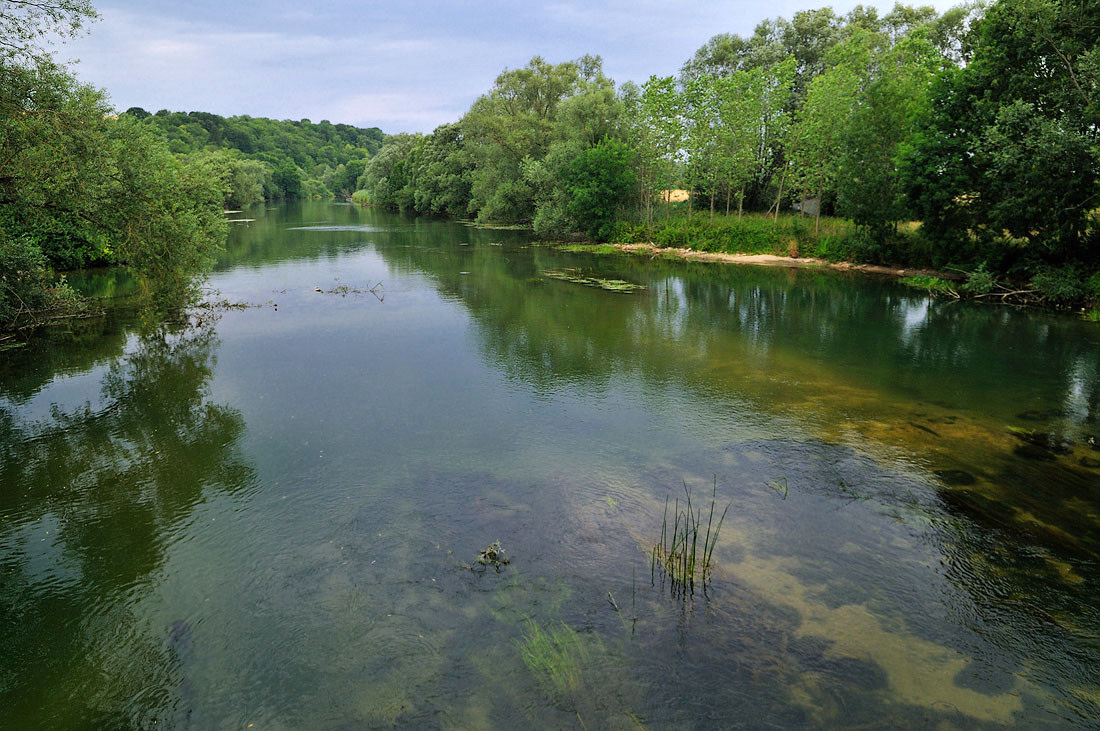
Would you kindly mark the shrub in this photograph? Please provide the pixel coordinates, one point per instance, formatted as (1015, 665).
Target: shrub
(979, 281)
(1060, 285)
(27, 287)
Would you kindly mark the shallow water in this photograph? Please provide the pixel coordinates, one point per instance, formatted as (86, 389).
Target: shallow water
(265, 518)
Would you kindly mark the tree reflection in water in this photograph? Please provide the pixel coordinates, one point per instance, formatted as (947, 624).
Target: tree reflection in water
(91, 499)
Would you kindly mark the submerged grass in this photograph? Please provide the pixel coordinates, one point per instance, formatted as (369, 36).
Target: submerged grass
(555, 657)
(678, 552)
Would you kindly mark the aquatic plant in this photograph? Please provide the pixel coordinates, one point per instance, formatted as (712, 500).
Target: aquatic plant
(554, 657)
(933, 285)
(633, 611)
(600, 249)
(779, 486)
(491, 556)
(677, 553)
(575, 276)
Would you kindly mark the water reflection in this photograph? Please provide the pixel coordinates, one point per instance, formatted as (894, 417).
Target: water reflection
(971, 426)
(93, 497)
(933, 563)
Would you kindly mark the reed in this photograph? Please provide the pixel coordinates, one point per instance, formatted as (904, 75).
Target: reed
(678, 552)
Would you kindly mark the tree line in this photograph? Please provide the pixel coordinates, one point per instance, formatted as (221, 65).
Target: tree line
(265, 158)
(964, 140)
(81, 186)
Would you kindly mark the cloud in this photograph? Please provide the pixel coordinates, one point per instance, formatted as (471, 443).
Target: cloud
(382, 64)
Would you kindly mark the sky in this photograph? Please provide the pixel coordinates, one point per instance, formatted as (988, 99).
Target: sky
(400, 66)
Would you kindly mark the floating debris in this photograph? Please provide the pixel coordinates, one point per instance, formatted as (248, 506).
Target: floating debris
(575, 276)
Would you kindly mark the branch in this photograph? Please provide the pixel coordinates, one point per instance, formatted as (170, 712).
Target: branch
(1069, 67)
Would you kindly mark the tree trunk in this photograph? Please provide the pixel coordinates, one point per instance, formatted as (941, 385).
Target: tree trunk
(817, 222)
(729, 189)
(740, 202)
(779, 197)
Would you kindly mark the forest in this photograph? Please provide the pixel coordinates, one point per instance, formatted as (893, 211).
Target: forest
(965, 141)
(266, 158)
(82, 186)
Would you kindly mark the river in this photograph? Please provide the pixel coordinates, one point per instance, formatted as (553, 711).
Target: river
(265, 518)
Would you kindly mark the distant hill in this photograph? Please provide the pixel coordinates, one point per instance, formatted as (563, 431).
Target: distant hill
(328, 157)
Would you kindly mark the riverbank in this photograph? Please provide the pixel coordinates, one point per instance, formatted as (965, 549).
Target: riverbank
(775, 260)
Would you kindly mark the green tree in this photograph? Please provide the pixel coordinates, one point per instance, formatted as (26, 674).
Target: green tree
(514, 122)
(81, 186)
(287, 180)
(598, 182)
(818, 135)
(1010, 142)
(28, 26)
(656, 135)
(893, 100)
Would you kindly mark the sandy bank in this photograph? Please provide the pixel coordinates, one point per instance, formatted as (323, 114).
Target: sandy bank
(773, 260)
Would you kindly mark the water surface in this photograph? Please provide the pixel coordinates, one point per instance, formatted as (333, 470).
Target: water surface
(264, 517)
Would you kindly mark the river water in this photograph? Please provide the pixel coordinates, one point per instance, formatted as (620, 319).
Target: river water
(265, 518)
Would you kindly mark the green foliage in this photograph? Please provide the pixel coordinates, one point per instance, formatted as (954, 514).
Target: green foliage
(1008, 146)
(555, 657)
(27, 286)
(287, 180)
(81, 186)
(597, 182)
(27, 27)
(1060, 284)
(932, 284)
(243, 181)
(678, 553)
(1092, 286)
(327, 158)
(980, 281)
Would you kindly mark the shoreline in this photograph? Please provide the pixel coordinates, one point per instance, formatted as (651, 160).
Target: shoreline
(775, 260)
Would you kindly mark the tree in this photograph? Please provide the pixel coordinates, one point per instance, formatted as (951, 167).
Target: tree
(82, 186)
(819, 132)
(655, 130)
(893, 101)
(287, 179)
(1010, 142)
(597, 182)
(514, 122)
(701, 141)
(28, 26)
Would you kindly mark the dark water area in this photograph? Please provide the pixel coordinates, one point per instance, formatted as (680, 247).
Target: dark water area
(266, 516)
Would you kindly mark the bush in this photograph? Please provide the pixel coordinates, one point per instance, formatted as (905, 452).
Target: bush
(979, 281)
(1061, 285)
(27, 287)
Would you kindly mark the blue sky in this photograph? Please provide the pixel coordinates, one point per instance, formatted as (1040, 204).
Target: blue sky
(401, 66)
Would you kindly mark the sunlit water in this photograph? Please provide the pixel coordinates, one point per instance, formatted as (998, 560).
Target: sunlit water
(265, 519)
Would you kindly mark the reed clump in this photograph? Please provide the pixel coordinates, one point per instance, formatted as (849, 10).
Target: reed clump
(678, 553)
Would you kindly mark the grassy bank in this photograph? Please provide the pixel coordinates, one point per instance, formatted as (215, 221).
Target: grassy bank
(997, 269)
